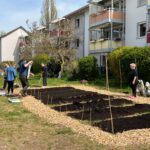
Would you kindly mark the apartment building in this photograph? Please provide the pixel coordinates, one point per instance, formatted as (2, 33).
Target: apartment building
(115, 23)
(107, 27)
(80, 26)
(136, 22)
(80, 23)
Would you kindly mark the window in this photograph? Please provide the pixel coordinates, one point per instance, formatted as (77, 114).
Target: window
(141, 2)
(77, 23)
(77, 42)
(93, 36)
(141, 29)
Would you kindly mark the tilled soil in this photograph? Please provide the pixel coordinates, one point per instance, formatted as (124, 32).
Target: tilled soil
(139, 136)
(94, 108)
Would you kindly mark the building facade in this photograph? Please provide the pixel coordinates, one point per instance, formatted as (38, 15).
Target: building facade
(10, 44)
(107, 28)
(80, 24)
(115, 23)
(79, 20)
(136, 22)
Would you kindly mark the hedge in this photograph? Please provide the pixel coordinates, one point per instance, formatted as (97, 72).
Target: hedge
(88, 68)
(38, 59)
(121, 58)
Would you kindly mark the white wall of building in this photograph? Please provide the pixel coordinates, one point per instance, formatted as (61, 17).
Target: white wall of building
(86, 34)
(134, 15)
(10, 45)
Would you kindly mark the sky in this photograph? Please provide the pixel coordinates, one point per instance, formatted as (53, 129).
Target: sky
(14, 13)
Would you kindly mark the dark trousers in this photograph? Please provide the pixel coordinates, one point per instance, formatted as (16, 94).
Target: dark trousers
(5, 84)
(133, 87)
(24, 83)
(10, 86)
(44, 81)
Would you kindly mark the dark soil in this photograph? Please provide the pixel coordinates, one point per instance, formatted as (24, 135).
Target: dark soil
(93, 107)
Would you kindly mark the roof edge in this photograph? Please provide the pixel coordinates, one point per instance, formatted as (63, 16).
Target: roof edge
(14, 31)
(77, 11)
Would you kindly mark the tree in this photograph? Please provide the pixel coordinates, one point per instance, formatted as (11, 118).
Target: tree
(36, 43)
(48, 13)
(61, 43)
(2, 33)
(57, 47)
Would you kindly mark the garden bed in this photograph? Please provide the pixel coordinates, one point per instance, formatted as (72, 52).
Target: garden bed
(93, 108)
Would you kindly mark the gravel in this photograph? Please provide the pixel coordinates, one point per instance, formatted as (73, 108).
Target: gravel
(140, 137)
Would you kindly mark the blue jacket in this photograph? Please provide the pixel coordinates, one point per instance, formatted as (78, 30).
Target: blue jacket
(11, 73)
(23, 70)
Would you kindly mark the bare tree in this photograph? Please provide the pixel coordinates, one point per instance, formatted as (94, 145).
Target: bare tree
(57, 47)
(61, 43)
(37, 42)
(48, 13)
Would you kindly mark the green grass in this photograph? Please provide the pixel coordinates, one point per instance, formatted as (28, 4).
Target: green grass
(98, 83)
(21, 129)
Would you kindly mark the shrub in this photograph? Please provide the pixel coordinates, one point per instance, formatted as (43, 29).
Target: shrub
(38, 59)
(127, 55)
(88, 68)
(72, 70)
(53, 67)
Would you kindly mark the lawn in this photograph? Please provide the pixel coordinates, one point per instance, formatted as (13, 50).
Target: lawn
(98, 83)
(22, 130)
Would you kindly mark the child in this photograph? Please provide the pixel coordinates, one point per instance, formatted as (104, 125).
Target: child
(44, 74)
(133, 79)
(11, 75)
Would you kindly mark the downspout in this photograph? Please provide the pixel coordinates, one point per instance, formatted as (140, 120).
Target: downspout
(124, 18)
(84, 35)
(111, 23)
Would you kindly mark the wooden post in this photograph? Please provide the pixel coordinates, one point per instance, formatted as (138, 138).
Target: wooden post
(107, 83)
(90, 115)
(82, 112)
(120, 72)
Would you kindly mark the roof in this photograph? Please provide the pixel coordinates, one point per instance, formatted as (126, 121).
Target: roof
(40, 28)
(57, 20)
(14, 31)
(82, 9)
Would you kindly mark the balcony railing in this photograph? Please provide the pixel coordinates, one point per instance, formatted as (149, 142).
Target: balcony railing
(106, 16)
(104, 46)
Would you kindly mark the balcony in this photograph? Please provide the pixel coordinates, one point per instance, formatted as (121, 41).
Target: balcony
(106, 16)
(148, 4)
(104, 46)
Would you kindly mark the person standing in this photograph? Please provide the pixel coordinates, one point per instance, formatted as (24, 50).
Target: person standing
(23, 75)
(5, 76)
(44, 74)
(11, 75)
(133, 79)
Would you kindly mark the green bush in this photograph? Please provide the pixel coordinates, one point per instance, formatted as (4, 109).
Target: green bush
(38, 59)
(72, 70)
(88, 68)
(121, 58)
(53, 67)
